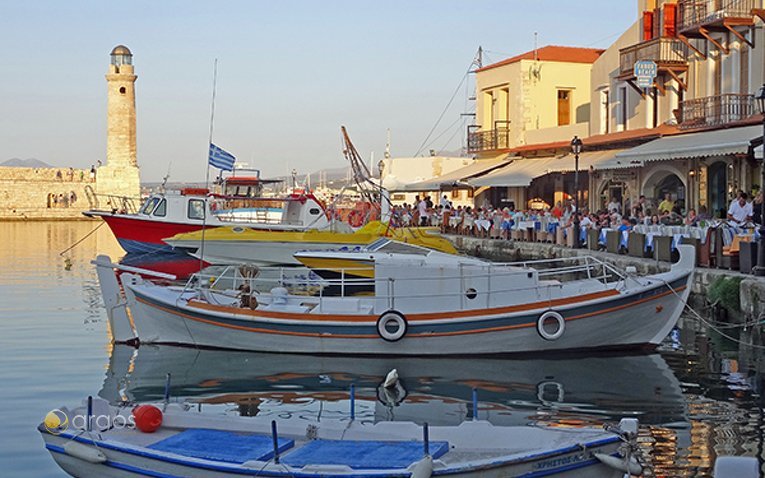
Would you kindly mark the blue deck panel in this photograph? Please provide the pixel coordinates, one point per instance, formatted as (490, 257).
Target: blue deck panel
(222, 446)
(362, 454)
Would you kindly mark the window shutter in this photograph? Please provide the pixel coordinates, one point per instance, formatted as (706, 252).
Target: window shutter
(647, 25)
(670, 20)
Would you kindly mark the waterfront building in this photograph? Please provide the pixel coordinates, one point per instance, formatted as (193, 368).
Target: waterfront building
(692, 133)
(537, 97)
(409, 177)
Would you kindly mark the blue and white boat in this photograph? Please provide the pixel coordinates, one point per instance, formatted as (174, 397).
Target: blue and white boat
(99, 440)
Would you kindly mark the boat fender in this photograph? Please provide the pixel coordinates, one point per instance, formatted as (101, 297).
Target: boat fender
(618, 463)
(551, 314)
(391, 318)
(423, 468)
(85, 453)
(148, 418)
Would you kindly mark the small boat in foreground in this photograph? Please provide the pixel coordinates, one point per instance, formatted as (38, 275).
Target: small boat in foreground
(174, 440)
(432, 304)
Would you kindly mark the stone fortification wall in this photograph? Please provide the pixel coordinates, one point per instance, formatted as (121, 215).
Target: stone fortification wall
(44, 193)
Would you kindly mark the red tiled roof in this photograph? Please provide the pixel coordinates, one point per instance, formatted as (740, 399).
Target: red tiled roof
(600, 139)
(569, 54)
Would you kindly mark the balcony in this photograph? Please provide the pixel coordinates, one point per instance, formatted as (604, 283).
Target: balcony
(668, 53)
(698, 17)
(488, 140)
(714, 111)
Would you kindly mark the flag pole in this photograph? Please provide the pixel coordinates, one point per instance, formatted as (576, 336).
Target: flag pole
(207, 174)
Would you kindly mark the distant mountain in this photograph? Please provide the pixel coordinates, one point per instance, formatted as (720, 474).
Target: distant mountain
(25, 163)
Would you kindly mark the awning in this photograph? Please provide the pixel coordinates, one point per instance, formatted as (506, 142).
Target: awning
(456, 177)
(521, 172)
(721, 142)
(517, 174)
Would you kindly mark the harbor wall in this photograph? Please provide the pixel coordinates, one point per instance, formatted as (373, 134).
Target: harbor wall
(751, 291)
(28, 193)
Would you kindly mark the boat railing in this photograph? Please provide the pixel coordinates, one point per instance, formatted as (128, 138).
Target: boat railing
(111, 202)
(304, 281)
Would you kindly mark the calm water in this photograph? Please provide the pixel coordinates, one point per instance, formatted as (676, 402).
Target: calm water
(693, 403)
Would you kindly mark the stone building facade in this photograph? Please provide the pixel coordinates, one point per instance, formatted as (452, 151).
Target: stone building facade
(64, 193)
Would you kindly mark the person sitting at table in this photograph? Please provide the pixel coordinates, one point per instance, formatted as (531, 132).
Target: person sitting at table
(757, 208)
(691, 219)
(614, 205)
(557, 211)
(740, 211)
(666, 206)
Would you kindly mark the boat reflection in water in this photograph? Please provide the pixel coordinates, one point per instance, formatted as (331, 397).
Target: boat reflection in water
(180, 264)
(571, 389)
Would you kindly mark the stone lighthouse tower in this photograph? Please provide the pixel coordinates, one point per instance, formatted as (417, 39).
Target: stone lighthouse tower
(119, 176)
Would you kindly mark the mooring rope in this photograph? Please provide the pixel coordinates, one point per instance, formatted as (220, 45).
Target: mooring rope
(710, 324)
(78, 242)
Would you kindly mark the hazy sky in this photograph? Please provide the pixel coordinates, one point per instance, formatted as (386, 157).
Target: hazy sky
(289, 74)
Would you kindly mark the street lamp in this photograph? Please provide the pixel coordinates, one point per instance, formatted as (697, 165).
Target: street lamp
(760, 269)
(576, 148)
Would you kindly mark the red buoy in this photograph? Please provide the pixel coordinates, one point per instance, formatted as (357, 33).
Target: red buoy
(148, 418)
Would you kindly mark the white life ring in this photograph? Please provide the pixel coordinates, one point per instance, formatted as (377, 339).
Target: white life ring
(551, 314)
(391, 317)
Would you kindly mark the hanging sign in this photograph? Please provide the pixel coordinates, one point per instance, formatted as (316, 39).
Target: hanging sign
(645, 72)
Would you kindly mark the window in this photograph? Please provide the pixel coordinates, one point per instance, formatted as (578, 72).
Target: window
(470, 193)
(149, 205)
(605, 117)
(455, 193)
(161, 210)
(744, 72)
(196, 209)
(622, 117)
(564, 107)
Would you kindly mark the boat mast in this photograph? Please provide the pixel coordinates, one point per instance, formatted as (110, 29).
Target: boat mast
(207, 174)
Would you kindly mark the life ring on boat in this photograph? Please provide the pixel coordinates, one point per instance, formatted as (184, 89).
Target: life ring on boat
(561, 322)
(392, 318)
(356, 218)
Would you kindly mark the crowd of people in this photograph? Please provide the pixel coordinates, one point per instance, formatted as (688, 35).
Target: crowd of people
(495, 222)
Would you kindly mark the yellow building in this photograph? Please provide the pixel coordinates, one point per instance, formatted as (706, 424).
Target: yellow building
(538, 97)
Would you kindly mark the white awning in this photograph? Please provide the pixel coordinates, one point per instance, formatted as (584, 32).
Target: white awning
(721, 142)
(521, 172)
(456, 177)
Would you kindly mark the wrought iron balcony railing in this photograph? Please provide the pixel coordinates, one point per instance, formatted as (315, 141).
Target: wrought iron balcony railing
(488, 140)
(715, 110)
(699, 13)
(665, 51)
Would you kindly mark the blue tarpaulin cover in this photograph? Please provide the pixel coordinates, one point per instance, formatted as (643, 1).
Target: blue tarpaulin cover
(362, 454)
(221, 445)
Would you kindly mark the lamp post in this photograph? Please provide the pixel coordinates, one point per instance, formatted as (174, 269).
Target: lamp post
(576, 148)
(760, 269)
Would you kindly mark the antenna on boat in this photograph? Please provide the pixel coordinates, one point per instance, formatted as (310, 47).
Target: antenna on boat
(207, 174)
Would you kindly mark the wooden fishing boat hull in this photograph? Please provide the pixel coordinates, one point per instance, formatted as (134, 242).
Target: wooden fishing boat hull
(607, 319)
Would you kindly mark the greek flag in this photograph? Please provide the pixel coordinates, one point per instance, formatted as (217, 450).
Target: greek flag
(221, 159)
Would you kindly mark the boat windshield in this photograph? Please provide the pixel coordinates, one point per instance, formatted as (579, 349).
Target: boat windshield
(386, 245)
(149, 205)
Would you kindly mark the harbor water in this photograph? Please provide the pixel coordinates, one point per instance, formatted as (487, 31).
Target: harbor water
(698, 398)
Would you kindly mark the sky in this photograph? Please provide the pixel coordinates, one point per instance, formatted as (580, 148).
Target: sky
(290, 73)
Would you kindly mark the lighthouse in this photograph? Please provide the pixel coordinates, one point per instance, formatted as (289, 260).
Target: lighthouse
(119, 176)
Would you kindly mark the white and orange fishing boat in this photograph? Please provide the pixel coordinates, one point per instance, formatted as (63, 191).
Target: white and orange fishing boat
(419, 304)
